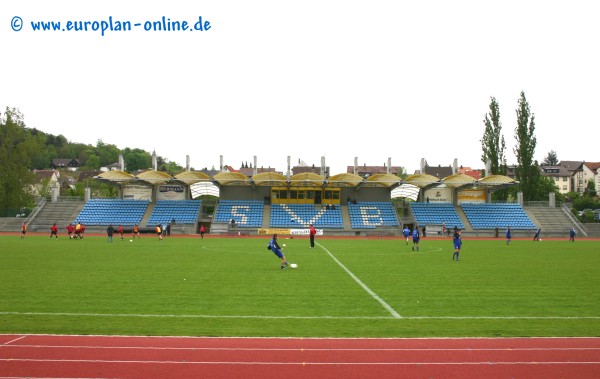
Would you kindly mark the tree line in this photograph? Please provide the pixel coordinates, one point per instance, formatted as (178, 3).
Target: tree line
(24, 149)
(531, 183)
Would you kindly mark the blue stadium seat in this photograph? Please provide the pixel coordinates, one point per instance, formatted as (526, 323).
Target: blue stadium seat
(302, 215)
(112, 211)
(369, 215)
(499, 215)
(182, 211)
(246, 213)
(436, 214)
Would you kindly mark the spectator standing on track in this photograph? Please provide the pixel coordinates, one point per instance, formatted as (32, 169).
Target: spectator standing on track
(312, 232)
(457, 244)
(109, 232)
(572, 234)
(169, 229)
(424, 231)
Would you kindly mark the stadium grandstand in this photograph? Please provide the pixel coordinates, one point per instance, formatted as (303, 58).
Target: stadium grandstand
(264, 201)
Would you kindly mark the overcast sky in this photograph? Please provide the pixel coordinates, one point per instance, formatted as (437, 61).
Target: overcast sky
(370, 79)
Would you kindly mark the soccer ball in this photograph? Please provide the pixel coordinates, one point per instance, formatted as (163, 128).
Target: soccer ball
(540, 240)
(284, 245)
(130, 240)
(293, 265)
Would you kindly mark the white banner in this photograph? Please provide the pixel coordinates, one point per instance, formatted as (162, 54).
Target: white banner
(438, 195)
(471, 196)
(171, 192)
(137, 193)
(305, 232)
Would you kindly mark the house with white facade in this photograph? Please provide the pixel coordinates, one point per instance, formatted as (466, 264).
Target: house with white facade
(560, 175)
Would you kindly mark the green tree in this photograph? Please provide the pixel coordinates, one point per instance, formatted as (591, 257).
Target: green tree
(546, 186)
(17, 145)
(45, 188)
(107, 153)
(92, 162)
(551, 159)
(585, 202)
(171, 167)
(527, 170)
(493, 146)
(591, 189)
(492, 142)
(136, 159)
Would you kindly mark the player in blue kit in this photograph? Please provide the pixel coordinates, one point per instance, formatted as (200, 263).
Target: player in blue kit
(416, 238)
(406, 233)
(572, 234)
(457, 244)
(508, 235)
(274, 247)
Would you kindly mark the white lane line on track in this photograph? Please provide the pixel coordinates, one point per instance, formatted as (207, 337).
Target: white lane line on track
(305, 349)
(13, 340)
(360, 283)
(486, 363)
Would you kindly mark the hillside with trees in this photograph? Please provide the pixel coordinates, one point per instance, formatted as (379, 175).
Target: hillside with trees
(24, 150)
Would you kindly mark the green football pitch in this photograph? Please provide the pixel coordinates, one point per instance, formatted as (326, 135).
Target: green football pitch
(341, 288)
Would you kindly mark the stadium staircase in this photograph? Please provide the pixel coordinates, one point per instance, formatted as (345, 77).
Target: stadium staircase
(467, 228)
(146, 216)
(60, 212)
(593, 229)
(11, 224)
(554, 221)
(266, 218)
(346, 217)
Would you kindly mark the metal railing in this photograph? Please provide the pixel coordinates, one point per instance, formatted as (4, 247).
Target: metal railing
(38, 207)
(574, 220)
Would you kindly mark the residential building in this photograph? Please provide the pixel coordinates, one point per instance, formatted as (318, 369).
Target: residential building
(575, 168)
(560, 175)
(65, 163)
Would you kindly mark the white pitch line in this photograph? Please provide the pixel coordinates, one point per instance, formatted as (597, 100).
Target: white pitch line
(484, 363)
(360, 283)
(406, 318)
(194, 316)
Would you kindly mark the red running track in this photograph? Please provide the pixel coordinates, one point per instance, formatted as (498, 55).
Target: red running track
(58, 356)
